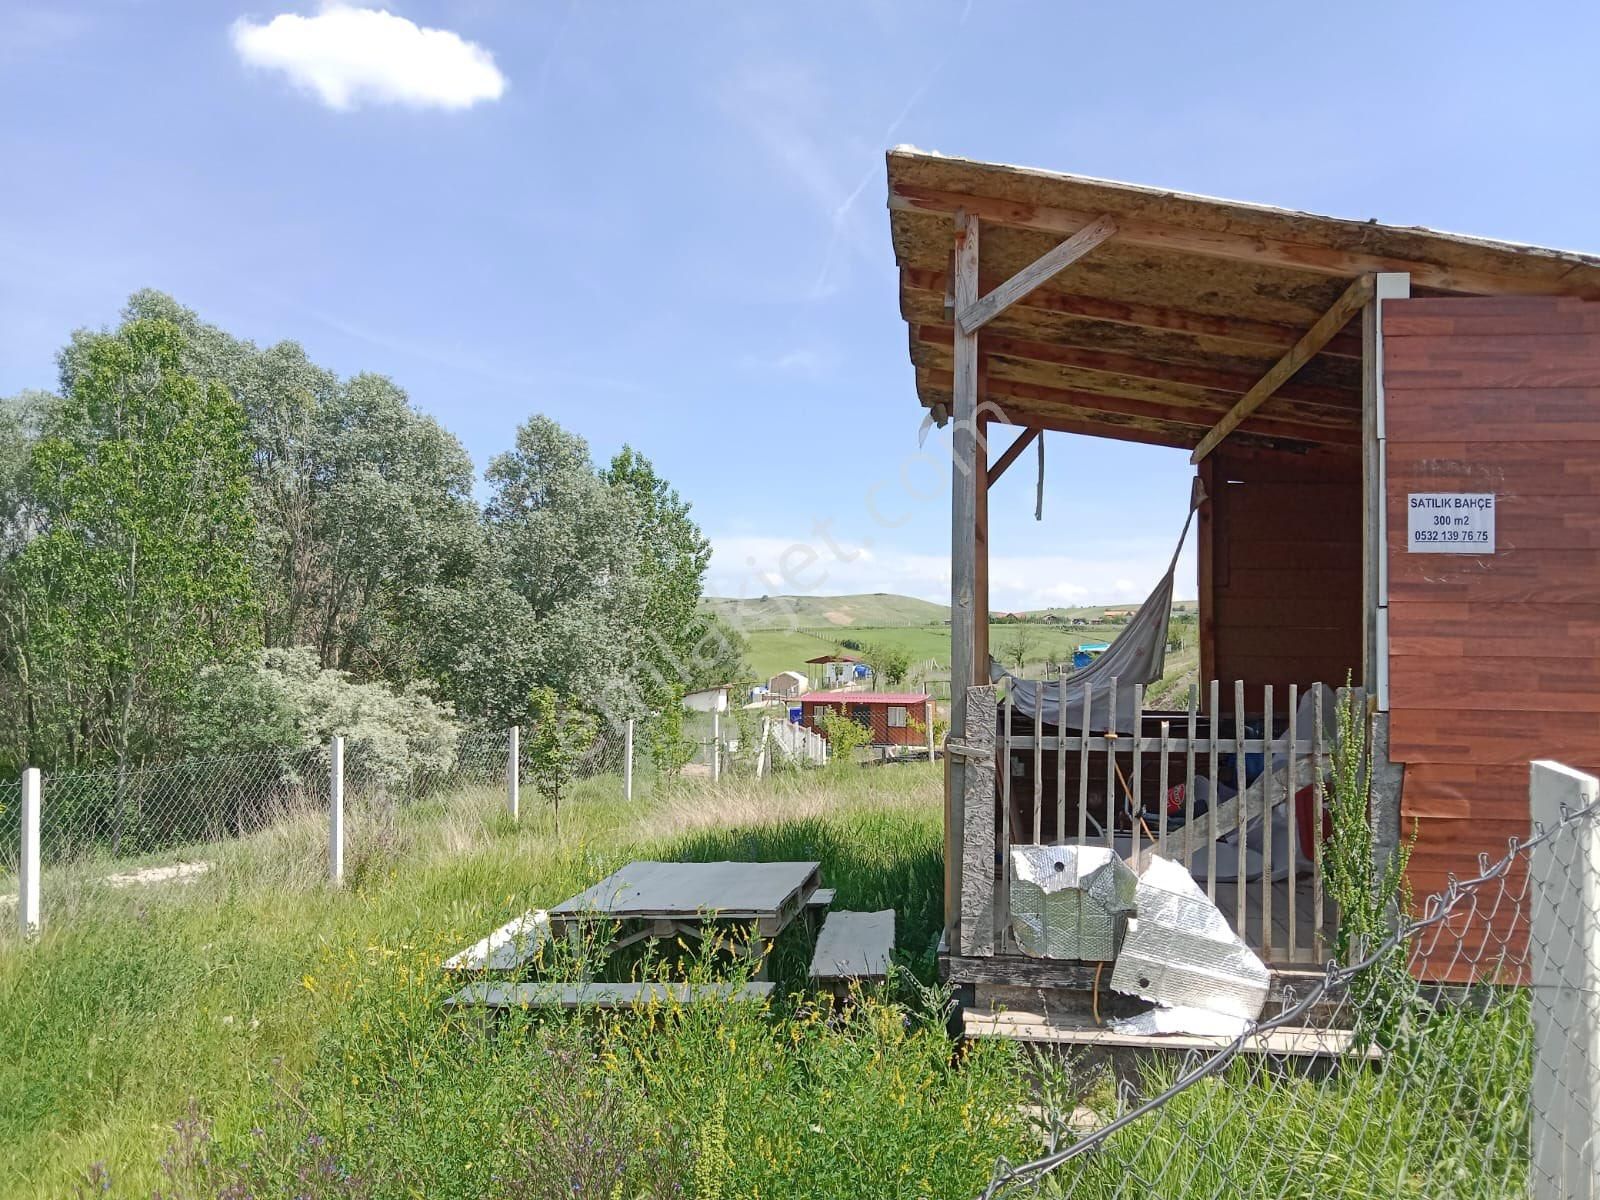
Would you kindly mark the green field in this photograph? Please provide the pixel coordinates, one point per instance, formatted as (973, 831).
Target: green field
(784, 631)
(254, 1033)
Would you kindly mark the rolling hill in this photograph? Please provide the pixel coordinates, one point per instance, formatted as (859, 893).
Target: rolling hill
(874, 610)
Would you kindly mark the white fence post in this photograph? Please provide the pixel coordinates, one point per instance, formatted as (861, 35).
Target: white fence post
(928, 713)
(1564, 945)
(627, 760)
(28, 876)
(514, 773)
(716, 745)
(336, 810)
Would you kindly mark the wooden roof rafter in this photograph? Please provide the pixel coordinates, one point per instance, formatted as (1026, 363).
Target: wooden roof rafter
(1034, 276)
(1188, 317)
(1351, 301)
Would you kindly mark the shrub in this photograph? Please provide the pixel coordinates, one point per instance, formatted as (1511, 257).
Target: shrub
(289, 701)
(845, 736)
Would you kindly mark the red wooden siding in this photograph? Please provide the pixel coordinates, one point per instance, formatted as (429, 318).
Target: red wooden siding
(1495, 658)
(877, 706)
(1281, 569)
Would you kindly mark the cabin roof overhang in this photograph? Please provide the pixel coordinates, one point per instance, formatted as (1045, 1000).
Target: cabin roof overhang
(1172, 309)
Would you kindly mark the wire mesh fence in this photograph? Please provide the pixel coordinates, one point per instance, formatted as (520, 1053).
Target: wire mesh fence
(1457, 1058)
(170, 807)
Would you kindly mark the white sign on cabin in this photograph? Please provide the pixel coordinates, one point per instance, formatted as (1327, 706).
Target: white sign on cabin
(1450, 523)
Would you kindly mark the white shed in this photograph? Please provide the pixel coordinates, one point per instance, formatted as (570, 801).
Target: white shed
(786, 685)
(713, 699)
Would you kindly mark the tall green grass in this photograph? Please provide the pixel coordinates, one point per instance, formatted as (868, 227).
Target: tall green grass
(255, 998)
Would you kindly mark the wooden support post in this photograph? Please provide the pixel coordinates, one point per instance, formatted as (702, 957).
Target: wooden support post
(965, 481)
(336, 811)
(514, 773)
(716, 744)
(978, 841)
(973, 316)
(1564, 999)
(28, 919)
(627, 760)
(1387, 777)
(1319, 335)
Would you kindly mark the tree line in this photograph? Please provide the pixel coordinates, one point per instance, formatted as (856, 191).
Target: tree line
(191, 519)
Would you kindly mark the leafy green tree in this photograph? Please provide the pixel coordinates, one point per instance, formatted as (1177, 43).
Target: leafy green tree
(141, 573)
(562, 734)
(670, 749)
(1020, 644)
(672, 557)
(889, 663)
(566, 542)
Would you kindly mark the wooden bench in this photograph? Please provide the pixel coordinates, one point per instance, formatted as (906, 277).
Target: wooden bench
(600, 995)
(513, 945)
(853, 946)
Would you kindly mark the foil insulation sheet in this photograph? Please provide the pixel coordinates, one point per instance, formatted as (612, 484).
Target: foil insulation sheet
(1070, 901)
(1181, 952)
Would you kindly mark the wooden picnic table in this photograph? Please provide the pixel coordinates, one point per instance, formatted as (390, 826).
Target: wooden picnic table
(665, 899)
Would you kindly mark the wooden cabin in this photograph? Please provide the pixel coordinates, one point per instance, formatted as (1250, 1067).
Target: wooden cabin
(1397, 436)
(893, 718)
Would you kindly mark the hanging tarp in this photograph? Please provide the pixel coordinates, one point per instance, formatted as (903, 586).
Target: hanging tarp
(1138, 655)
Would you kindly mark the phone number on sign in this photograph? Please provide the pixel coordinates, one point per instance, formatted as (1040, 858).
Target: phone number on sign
(1450, 535)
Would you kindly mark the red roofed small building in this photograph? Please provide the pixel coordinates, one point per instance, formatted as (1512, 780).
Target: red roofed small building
(894, 718)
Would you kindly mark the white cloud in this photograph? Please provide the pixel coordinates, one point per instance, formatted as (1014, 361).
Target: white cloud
(348, 56)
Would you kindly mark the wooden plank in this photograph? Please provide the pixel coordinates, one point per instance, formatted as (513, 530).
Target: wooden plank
(1047, 266)
(1212, 828)
(1083, 764)
(821, 898)
(1331, 403)
(998, 468)
(1318, 773)
(1247, 333)
(1237, 247)
(1447, 734)
(1129, 406)
(602, 995)
(1064, 1029)
(1494, 415)
(648, 890)
(1404, 318)
(1355, 297)
(513, 945)
(1532, 684)
(854, 946)
(964, 619)
(978, 838)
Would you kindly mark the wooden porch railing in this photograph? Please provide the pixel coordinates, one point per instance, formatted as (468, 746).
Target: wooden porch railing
(1122, 790)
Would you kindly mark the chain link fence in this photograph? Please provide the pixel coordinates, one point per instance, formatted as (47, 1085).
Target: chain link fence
(1459, 1058)
(180, 810)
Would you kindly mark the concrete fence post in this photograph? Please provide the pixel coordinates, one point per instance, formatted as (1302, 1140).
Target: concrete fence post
(1564, 949)
(716, 745)
(336, 811)
(627, 760)
(928, 712)
(28, 875)
(514, 773)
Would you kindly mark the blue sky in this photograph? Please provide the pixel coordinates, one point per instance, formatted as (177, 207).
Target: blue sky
(664, 223)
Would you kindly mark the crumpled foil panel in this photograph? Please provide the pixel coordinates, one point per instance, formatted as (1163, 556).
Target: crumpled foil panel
(1181, 952)
(1070, 901)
